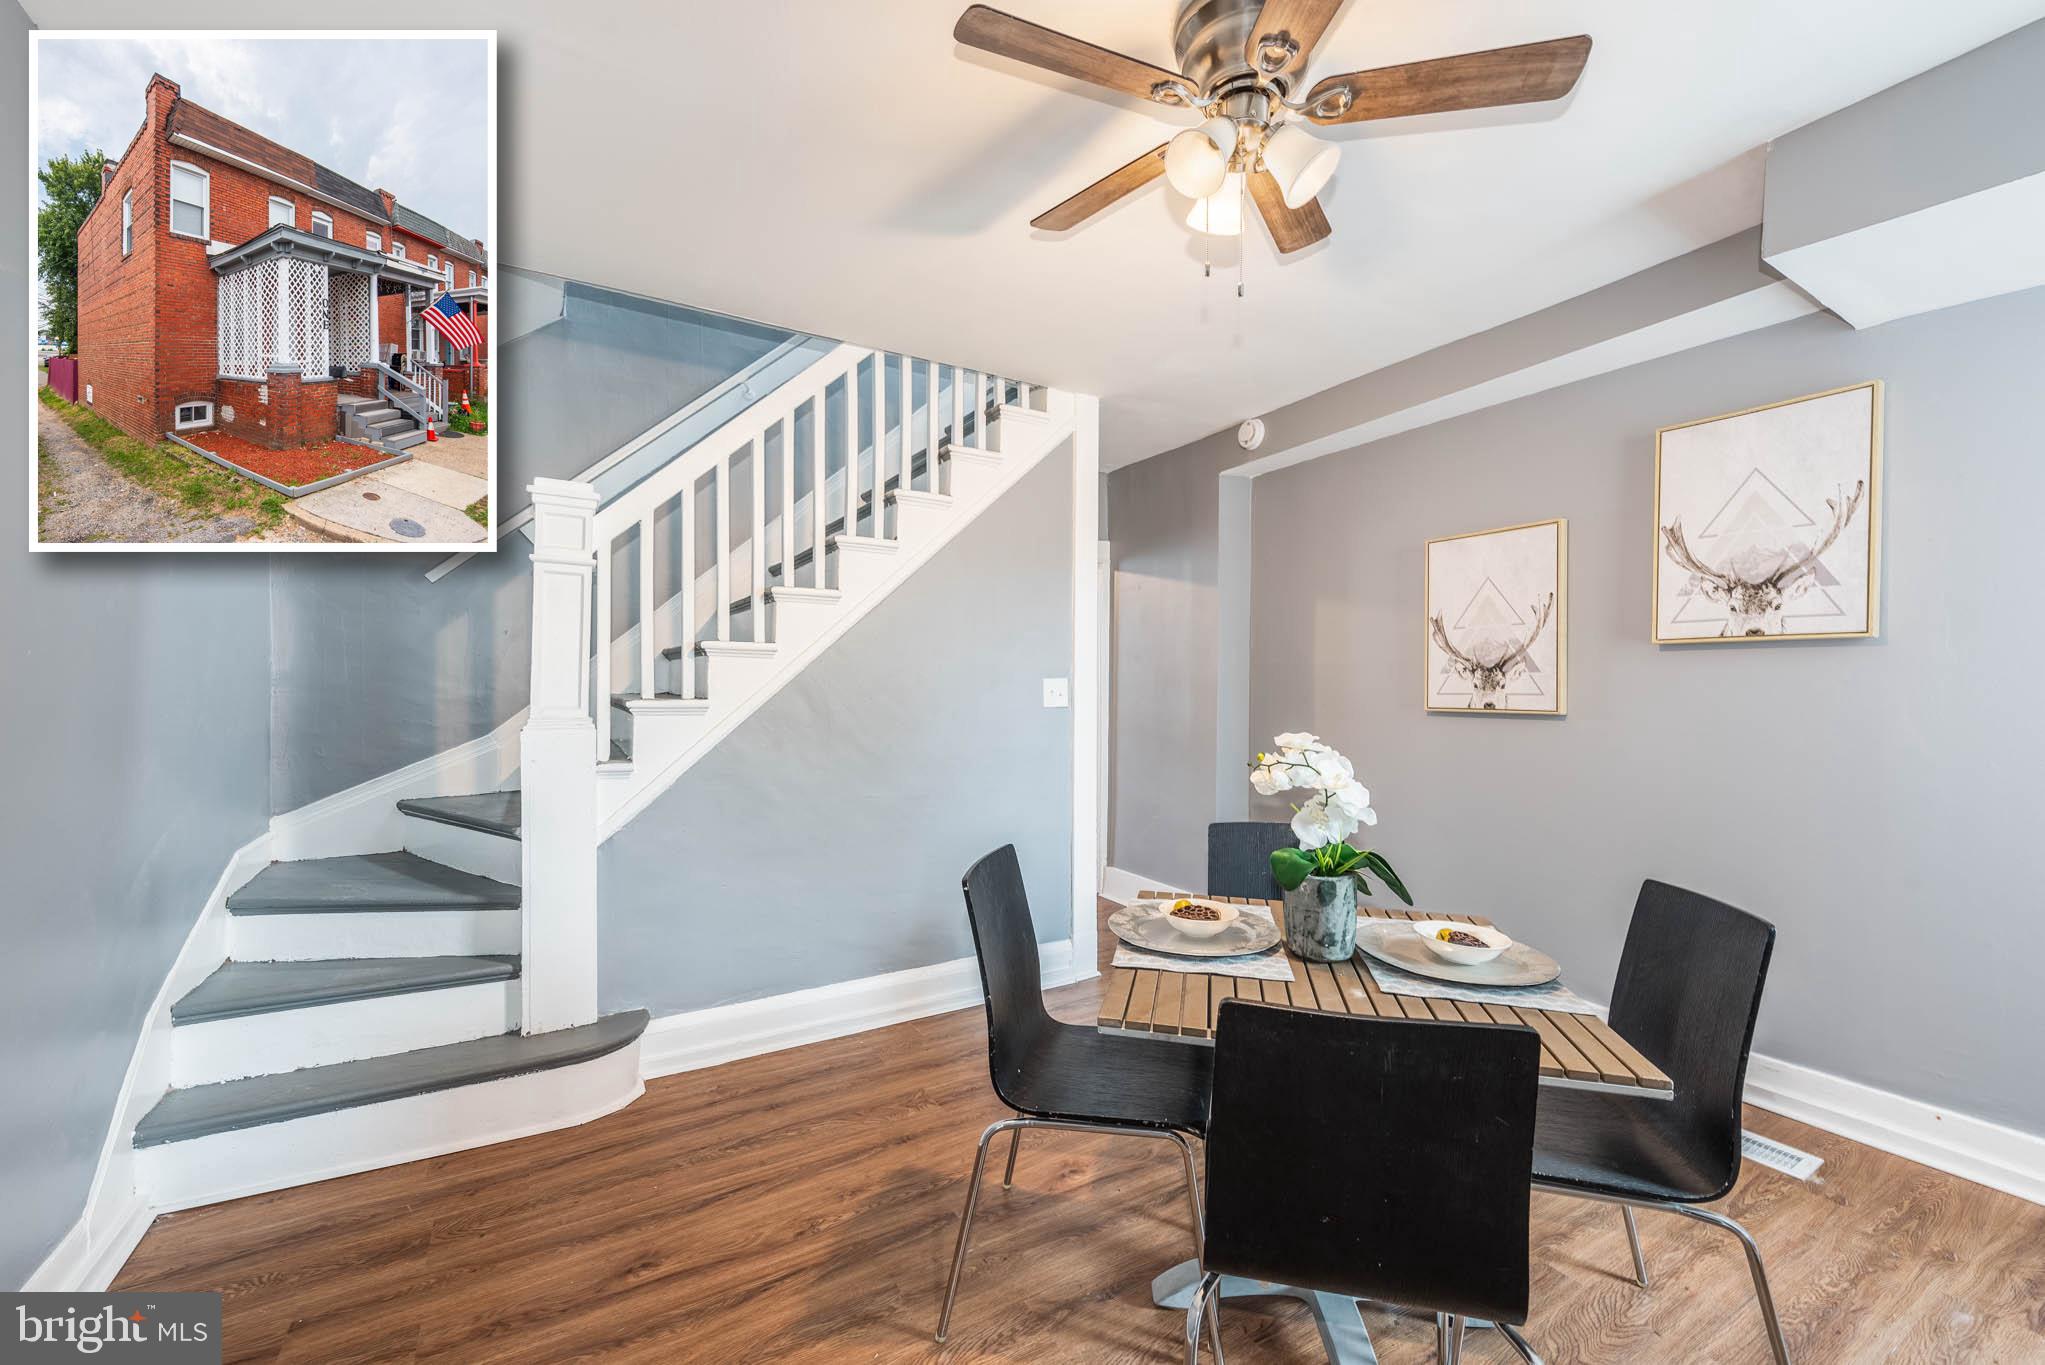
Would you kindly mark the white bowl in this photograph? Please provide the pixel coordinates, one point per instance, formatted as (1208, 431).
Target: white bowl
(1199, 928)
(1494, 942)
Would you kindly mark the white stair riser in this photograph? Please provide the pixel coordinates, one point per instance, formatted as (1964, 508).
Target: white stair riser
(972, 480)
(797, 623)
(861, 571)
(345, 1031)
(915, 520)
(658, 738)
(183, 1175)
(372, 933)
(731, 677)
(471, 850)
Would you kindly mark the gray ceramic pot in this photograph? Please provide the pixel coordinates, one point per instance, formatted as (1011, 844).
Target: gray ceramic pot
(1320, 919)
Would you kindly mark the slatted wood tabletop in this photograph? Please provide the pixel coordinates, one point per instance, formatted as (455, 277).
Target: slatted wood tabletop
(1577, 1050)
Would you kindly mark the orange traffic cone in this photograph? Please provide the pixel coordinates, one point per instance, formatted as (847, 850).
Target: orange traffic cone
(430, 437)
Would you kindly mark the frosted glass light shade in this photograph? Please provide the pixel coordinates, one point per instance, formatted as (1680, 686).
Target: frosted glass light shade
(1220, 214)
(1197, 159)
(1300, 162)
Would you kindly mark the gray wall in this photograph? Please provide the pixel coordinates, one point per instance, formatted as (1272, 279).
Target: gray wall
(824, 840)
(135, 757)
(1876, 799)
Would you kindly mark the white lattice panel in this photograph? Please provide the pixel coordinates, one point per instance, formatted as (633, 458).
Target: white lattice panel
(308, 302)
(353, 308)
(247, 319)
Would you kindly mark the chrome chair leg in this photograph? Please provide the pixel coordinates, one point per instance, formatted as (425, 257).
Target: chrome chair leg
(1014, 1141)
(958, 1260)
(1014, 1127)
(1632, 1238)
(1449, 1329)
(1776, 1343)
(1205, 1307)
(1518, 1343)
(1441, 1337)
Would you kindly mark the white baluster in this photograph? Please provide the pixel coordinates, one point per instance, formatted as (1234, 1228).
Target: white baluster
(789, 460)
(958, 427)
(757, 515)
(932, 425)
(722, 545)
(908, 420)
(648, 617)
(686, 513)
(816, 490)
(605, 546)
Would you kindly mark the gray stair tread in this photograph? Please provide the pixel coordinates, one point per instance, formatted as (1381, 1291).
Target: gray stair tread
(225, 1106)
(242, 988)
(368, 881)
(491, 812)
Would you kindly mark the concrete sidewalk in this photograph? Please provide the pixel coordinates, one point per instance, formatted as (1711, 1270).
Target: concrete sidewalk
(423, 499)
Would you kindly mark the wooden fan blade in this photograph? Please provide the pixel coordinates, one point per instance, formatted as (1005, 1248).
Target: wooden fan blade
(1526, 74)
(1007, 36)
(1291, 229)
(1103, 192)
(1297, 23)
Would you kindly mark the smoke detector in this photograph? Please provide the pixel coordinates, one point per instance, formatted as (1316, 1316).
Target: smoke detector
(1250, 434)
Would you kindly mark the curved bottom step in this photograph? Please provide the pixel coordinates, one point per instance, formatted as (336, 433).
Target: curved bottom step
(233, 1138)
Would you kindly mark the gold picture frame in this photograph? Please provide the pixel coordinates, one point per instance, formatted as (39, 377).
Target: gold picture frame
(1444, 659)
(1763, 602)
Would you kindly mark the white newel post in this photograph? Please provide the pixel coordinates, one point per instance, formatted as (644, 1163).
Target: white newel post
(557, 760)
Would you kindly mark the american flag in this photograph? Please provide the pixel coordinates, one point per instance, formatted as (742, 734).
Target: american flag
(447, 318)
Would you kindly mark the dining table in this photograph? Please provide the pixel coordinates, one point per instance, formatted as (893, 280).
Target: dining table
(1578, 1051)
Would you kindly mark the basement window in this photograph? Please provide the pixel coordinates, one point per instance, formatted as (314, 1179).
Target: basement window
(323, 226)
(127, 222)
(191, 195)
(88, 393)
(281, 212)
(194, 415)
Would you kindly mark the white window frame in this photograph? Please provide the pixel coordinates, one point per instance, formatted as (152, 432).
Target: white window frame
(127, 222)
(290, 218)
(373, 241)
(205, 202)
(447, 273)
(433, 263)
(88, 395)
(325, 220)
(397, 251)
(472, 279)
(180, 424)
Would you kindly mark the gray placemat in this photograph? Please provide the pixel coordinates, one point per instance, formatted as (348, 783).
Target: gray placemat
(1269, 965)
(1553, 996)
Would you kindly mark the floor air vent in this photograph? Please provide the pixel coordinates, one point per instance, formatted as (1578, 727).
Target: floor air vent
(1777, 1157)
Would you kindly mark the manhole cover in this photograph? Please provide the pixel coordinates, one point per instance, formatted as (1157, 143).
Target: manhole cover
(373, 497)
(407, 527)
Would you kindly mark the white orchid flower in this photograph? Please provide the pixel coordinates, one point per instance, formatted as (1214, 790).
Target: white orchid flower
(1267, 780)
(1321, 822)
(1330, 770)
(1352, 798)
(1299, 741)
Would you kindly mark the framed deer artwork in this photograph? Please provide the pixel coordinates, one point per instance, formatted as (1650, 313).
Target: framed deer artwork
(1497, 634)
(1767, 522)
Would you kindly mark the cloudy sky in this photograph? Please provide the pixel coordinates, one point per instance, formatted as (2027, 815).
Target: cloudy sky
(406, 114)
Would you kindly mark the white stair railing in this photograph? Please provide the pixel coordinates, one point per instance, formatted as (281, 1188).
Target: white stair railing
(852, 426)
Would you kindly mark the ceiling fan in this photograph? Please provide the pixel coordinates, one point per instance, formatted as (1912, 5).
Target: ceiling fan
(1239, 63)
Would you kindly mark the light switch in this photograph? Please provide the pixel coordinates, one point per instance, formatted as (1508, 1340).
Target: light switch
(1054, 693)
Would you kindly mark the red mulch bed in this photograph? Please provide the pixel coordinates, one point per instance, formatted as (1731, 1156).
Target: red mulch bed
(293, 468)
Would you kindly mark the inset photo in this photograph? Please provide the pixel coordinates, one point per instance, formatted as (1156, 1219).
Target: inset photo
(262, 290)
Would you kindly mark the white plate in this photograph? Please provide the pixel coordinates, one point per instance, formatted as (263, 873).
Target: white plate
(1146, 925)
(1468, 955)
(1393, 941)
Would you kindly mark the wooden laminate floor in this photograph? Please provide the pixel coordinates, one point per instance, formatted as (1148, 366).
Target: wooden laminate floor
(802, 1206)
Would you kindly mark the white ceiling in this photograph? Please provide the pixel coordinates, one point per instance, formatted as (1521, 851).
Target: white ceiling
(845, 168)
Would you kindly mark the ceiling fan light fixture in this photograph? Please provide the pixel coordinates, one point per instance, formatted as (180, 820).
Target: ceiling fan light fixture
(1300, 162)
(1196, 161)
(1220, 214)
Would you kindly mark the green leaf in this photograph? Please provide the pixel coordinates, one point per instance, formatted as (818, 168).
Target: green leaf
(1376, 863)
(1290, 867)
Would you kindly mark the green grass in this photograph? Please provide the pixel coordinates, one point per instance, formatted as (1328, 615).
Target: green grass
(164, 467)
(457, 420)
(479, 511)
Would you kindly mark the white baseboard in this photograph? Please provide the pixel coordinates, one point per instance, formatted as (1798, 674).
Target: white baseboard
(1121, 885)
(726, 1033)
(116, 1213)
(1958, 1144)
(365, 817)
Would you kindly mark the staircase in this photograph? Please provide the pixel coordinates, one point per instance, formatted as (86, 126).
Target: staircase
(368, 1012)
(381, 421)
(393, 1003)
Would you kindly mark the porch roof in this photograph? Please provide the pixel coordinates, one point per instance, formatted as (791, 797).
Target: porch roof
(283, 240)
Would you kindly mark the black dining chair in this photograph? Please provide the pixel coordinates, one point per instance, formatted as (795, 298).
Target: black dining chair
(1689, 987)
(1382, 1159)
(1064, 1076)
(1239, 857)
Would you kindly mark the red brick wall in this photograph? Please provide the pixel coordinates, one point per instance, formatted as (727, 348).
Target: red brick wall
(288, 411)
(117, 295)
